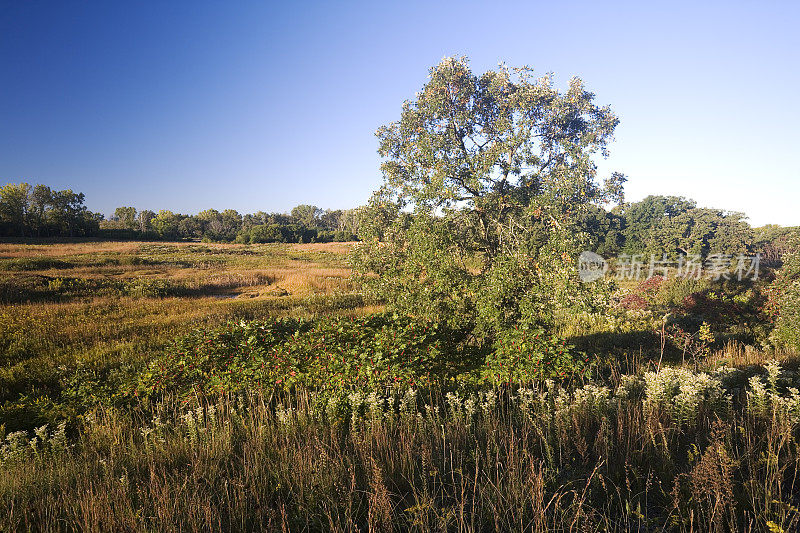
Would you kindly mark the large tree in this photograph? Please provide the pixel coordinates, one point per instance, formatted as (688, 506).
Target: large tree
(486, 180)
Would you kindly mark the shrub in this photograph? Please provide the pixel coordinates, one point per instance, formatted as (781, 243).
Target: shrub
(783, 302)
(523, 355)
(327, 353)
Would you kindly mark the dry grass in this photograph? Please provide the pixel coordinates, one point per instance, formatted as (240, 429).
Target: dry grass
(8, 250)
(738, 355)
(102, 319)
(422, 462)
(298, 269)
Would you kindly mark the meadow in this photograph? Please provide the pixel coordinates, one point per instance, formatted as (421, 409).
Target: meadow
(91, 308)
(215, 387)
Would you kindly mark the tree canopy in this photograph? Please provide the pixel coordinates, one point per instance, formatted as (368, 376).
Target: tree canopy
(39, 211)
(486, 180)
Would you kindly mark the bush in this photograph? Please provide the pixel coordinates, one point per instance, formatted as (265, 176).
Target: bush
(329, 353)
(783, 302)
(523, 355)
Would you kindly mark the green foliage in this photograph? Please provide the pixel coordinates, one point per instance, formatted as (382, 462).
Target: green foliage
(528, 355)
(642, 217)
(307, 216)
(329, 354)
(784, 301)
(702, 232)
(305, 224)
(486, 179)
(421, 270)
(38, 211)
(604, 230)
(671, 225)
(126, 216)
(773, 242)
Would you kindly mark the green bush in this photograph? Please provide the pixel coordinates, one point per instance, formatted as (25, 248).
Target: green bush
(523, 355)
(328, 353)
(784, 302)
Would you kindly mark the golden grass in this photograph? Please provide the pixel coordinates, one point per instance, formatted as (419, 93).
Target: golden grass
(738, 355)
(217, 282)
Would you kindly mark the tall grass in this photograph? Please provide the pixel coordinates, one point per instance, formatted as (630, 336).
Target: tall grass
(672, 450)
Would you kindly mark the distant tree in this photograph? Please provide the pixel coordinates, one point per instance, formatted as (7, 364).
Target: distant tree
(204, 219)
(330, 220)
(641, 217)
(189, 228)
(773, 242)
(349, 222)
(145, 219)
(41, 199)
(231, 224)
(307, 216)
(218, 226)
(126, 216)
(14, 200)
(605, 231)
(265, 233)
(166, 224)
(69, 214)
(732, 235)
(702, 232)
(255, 219)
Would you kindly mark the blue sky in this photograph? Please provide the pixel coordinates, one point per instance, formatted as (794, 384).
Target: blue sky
(262, 106)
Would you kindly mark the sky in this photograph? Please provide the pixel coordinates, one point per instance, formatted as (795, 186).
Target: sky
(265, 105)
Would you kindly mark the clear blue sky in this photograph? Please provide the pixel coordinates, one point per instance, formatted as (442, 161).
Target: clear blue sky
(262, 106)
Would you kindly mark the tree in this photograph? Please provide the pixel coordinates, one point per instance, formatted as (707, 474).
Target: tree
(702, 232)
(773, 242)
(145, 219)
(40, 199)
(69, 214)
(127, 216)
(349, 221)
(166, 224)
(218, 226)
(604, 231)
(14, 200)
(307, 216)
(486, 180)
(642, 217)
(330, 220)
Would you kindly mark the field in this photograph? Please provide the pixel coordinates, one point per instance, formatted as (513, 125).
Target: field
(197, 387)
(95, 306)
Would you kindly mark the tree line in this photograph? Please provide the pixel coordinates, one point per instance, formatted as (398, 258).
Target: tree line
(305, 223)
(38, 211)
(674, 225)
(656, 225)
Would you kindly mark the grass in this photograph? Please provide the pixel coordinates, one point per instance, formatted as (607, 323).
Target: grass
(116, 304)
(205, 387)
(644, 455)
